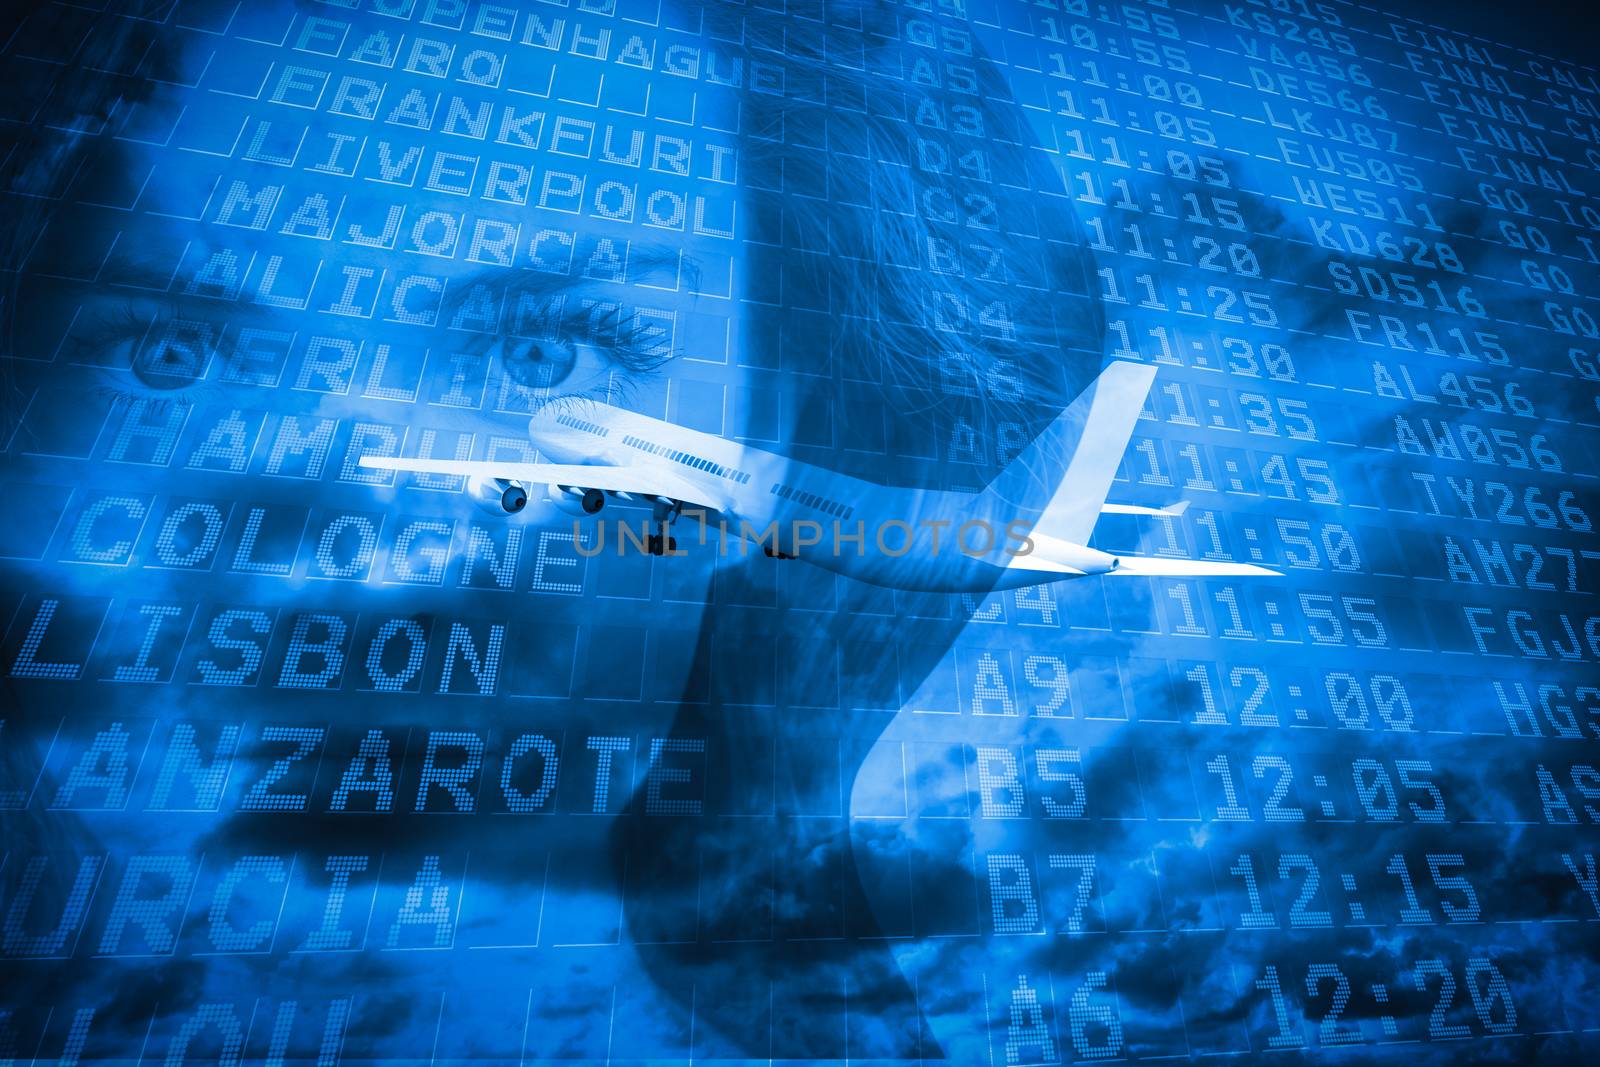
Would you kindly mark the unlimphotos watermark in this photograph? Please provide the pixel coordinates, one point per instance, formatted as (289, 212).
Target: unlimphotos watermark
(891, 537)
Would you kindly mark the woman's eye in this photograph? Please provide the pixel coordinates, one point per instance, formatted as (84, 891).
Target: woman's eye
(538, 364)
(175, 355)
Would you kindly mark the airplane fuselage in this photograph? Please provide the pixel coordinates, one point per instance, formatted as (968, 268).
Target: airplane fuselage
(905, 538)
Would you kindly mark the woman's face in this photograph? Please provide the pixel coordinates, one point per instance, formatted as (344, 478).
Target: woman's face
(338, 234)
(321, 234)
(330, 234)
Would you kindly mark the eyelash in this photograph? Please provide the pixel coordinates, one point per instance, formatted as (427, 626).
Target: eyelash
(100, 331)
(612, 328)
(127, 323)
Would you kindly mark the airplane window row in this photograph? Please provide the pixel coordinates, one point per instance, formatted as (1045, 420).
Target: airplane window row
(686, 459)
(813, 500)
(583, 424)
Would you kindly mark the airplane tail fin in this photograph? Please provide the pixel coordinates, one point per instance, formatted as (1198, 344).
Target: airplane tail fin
(1061, 480)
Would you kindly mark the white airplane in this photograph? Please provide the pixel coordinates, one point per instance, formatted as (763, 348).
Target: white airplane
(1039, 511)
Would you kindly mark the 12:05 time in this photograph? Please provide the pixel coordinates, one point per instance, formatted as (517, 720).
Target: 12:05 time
(1375, 788)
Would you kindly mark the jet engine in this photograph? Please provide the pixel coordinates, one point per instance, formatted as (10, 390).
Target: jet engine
(576, 500)
(497, 495)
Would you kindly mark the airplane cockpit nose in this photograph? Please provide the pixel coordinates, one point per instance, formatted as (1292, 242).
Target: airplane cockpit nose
(543, 425)
(556, 438)
(543, 432)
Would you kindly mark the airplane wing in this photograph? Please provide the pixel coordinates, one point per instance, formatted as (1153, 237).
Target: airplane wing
(1185, 568)
(1171, 510)
(1054, 556)
(636, 480)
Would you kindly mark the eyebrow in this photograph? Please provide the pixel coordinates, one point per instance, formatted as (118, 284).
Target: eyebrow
(641, 259)
(526, 281)
(149, 282)
(137, 274)
(147, 276)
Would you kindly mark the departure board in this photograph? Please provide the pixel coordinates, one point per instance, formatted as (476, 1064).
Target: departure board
(748, 531)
